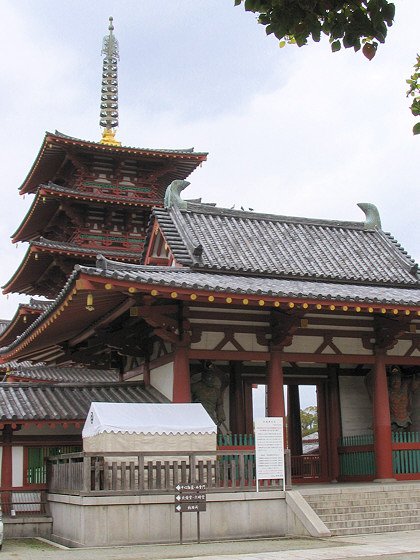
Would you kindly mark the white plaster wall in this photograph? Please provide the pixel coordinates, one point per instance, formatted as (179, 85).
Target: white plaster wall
(400, 348)
(249, 342)
(162, 379)
(208, 341)
(351, 346)
(304, 344)
(415, 416)
(17, 466)
(356, 407)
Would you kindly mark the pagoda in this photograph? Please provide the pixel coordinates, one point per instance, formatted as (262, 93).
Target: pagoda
(91, 197)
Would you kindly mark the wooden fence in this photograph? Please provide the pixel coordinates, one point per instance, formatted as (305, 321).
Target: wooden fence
(155, 472)
(357, 456)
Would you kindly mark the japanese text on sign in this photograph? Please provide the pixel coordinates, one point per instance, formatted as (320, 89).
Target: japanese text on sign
(269, 448)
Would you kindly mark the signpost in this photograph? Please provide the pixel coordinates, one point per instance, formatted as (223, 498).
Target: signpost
(269, 449)
(190, 498)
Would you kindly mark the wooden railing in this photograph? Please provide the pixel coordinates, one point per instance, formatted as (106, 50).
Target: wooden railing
(305, 467)
(357, 456)
(17, 502)
(155, 472)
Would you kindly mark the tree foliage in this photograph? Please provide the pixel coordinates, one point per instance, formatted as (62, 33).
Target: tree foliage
(309, 420)
(414, 93)
(347, 23)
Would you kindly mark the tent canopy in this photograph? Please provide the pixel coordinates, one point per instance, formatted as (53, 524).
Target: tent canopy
(148, 418)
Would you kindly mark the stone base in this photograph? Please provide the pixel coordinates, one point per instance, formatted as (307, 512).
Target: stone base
(27, 526)
(84, 521)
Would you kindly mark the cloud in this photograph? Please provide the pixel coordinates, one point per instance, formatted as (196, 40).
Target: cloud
(292, 131)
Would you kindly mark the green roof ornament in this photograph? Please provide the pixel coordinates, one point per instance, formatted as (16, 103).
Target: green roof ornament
(373, 218)
(109, 90)
(173, 194)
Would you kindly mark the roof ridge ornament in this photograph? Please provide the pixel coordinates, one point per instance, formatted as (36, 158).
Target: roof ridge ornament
(173, 194)
(109, 89)
(373, 218)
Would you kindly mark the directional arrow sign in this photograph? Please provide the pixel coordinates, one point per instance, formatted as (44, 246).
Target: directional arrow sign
(192, 497)
(189, 508)
(191, 487)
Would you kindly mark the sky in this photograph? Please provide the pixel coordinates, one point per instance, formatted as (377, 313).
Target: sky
(299, 132)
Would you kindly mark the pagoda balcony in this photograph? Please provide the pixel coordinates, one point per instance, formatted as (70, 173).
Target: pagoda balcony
(117, 189)
(100, 240)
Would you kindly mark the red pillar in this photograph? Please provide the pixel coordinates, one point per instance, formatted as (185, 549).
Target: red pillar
(334, 429)
(275, 395)
(382, 419)
(249, 415)
(294, 427)
(181, 385)
(6, 467)
(239, 398)
(322, 429)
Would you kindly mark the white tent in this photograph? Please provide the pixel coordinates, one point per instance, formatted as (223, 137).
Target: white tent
(137, 427)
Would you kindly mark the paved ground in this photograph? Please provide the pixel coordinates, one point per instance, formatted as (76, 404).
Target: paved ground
(395, 546)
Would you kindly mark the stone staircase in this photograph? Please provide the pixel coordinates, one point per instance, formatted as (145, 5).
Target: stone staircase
(371, 508)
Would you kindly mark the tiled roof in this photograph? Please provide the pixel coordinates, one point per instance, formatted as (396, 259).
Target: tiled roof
(102, 197)
(55, 146)
(23, 402)
(218, 239)
(73, 248)
(164, 151)
(3, 325)
(13, 365)
(64, 374)
(184, 277)
(26, 314)
(37, 304)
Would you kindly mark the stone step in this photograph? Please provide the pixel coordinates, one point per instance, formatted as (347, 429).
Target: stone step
(345, 509)
(383, 495)
(351, 515)
(337, 502)
(374, 529)
(340, 521)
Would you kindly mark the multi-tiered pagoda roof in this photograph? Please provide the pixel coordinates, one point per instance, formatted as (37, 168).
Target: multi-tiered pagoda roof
(89, 198)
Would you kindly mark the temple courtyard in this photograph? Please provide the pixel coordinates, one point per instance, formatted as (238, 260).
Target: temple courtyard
(395, 546)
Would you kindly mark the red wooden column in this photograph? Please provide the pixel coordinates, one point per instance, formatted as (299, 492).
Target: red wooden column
(382, 419)
(181, 385)
(6, 466)
(322, 429)
(294, 427)
(249, 415)
(334, 428)
(275, 395)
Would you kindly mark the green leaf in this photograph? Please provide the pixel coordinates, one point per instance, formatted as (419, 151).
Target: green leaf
(335, 46)
(416, 128)
(388, 13)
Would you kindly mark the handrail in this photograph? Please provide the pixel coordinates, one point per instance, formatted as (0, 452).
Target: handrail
(155, 471)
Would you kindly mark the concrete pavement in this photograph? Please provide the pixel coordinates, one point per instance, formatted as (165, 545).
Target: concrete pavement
(394, 546)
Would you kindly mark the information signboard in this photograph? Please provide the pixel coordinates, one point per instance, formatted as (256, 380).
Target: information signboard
(269, 448)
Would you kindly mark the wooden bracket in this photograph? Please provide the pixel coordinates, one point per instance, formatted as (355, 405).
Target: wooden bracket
(283, 327)
(388, 331)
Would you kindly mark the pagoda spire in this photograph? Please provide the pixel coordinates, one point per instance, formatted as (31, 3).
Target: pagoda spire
(109, 90)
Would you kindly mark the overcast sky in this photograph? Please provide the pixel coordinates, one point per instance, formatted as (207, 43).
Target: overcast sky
(300, 132)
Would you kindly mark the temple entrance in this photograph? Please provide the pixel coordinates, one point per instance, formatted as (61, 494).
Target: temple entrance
(311, 407)
(302, 428)
(302, 432)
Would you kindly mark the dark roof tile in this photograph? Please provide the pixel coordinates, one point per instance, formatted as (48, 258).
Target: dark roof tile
(281, 246)
(64, 374)
(24, 402)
